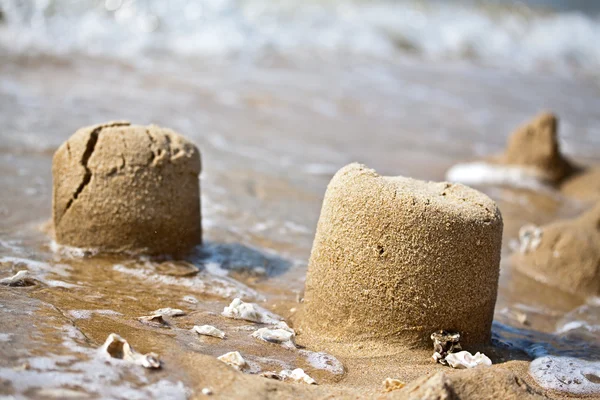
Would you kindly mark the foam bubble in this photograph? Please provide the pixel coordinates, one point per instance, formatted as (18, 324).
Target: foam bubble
(567, 374)
(482, 173)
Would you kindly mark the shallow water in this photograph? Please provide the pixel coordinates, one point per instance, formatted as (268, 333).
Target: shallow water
(272, 131)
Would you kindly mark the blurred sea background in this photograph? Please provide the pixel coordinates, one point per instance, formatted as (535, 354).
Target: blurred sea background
(278, 95)
(557, 36)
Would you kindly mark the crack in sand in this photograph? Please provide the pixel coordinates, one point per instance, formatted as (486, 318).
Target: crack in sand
(151, 147)
(89, 150)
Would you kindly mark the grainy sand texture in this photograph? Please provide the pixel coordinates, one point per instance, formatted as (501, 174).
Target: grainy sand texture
(395, 259)
(123, 187)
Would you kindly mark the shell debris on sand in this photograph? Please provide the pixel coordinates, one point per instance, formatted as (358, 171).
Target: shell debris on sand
(323, 361)
(169, 312)
(297, 376)
(464, 360)
(21, 278)
(117, 347)
(567, 374)
(190, 299)
(155, 320)
(444, 343)
(249, 312)
(283, 337)
(391, 384)
(209, 330)
(530, 237)
(234, 359)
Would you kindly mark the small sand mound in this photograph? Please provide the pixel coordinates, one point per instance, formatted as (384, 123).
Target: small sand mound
(532, 159)
(395, 259)
(567, 256)
(123, 187)
(535, 145)
(584, 185)
(478, 383)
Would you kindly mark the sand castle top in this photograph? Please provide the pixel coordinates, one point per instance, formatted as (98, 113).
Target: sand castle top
(535, 144)
(99, 150)
(452, 199)
(395, 259)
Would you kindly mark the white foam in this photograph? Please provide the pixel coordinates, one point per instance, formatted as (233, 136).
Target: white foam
(516, 38)
(567, 374)
(323, 361)
(201, 283)
(481, 173)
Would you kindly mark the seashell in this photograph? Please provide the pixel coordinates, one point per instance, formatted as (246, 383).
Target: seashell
(169, 312)
(155, 320)
(117, 347)
(190, 299)
(271, 375)
(234, 359)
(249, 312)
(323, 361)
(530, 237)
(278, 336)
(21, 278)
(391, 384)
(464, 359)
(209, 330)
(207, 391)
(444, 343)
(297, 375)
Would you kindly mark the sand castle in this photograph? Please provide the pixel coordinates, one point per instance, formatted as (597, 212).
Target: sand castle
(532, 158)
(123, 187)
(534, 146)
(395, 259)
(565, 254)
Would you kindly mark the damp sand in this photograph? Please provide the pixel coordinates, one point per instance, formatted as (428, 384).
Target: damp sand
(262, 192)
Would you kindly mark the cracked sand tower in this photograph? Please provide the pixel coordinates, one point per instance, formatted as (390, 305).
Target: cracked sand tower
(395, 259)
(123, 187)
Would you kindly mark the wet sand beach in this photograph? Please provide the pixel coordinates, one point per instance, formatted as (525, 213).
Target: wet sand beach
(272, 132)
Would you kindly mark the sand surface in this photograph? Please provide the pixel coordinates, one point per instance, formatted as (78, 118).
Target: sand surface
(262, 192)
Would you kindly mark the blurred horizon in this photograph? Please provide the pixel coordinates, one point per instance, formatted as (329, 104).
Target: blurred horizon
(534, 35)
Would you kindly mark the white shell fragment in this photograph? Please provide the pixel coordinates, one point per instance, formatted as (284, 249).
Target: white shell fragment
(117, 347)
(530, 237)
(276, 335)
(464, 359)
(155, 320)
(209, 330)
(297, 375)
(207, 391)
(190, 299)
(391, 384)
(234, 359)
(170, 312)
(323, 361)
(21, 278)
(249, 312)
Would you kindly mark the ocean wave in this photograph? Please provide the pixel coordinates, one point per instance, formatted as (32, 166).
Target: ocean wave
(516, 37)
